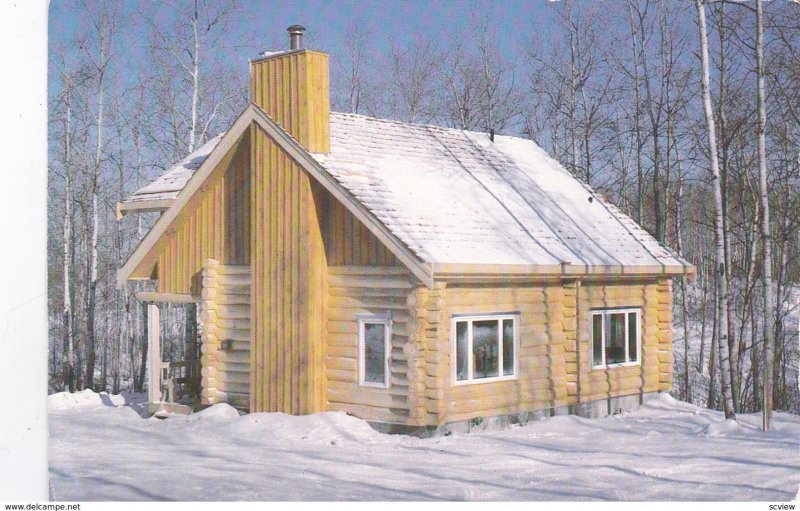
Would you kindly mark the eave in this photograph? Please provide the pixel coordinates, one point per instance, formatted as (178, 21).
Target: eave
(143, 206)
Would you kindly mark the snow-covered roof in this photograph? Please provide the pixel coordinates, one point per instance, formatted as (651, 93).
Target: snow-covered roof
(172, 180)
(455, 197)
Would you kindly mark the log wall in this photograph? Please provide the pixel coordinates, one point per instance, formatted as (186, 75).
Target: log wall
(354, 290)
(554, 353)
(654, 373)
(542, 376)
(226, 342)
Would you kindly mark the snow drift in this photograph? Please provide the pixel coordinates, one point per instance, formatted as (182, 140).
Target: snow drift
(101, 449)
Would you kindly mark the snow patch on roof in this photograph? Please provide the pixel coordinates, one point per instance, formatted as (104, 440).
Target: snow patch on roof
(172, 181)
(454, 196)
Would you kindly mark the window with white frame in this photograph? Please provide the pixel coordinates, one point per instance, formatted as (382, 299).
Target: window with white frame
(374, 346)
(485, 347)
(615, 337)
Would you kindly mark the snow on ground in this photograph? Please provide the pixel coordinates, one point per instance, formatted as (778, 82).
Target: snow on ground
(101, 449)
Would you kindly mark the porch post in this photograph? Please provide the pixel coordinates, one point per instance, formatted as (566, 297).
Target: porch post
(154, 352)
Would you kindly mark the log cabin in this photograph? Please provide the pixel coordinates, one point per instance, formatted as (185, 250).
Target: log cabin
(419, 277)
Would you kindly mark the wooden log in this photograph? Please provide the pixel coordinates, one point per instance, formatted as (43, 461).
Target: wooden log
(389, 294)
(547, 349)
(232, 377)
(226, 280)
(236, 357)
(233, 367)
(208, 293)
(367, 397)
(371, 412)
(234, 335)
(366, 302)
(233, 312)
(375, 282)
(341, 339)
(233, 398)
(368, 270)
(237, 346)
(226, 299)
(233, 269)
(348, 364)
(232, 324)
(342, 375)
(236, 290)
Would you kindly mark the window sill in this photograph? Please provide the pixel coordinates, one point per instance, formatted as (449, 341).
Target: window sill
(459, 383)
(614, 366)
(373, 385)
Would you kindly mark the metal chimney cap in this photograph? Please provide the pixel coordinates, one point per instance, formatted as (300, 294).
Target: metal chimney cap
(296, 36)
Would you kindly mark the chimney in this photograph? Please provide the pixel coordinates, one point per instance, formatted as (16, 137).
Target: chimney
(296, 36)
(292, 88)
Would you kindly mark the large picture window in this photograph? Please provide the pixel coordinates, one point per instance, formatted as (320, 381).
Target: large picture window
(374, 346)
(484, 348)
(615, 337)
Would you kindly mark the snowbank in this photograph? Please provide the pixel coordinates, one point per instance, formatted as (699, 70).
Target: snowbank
(88, 398)
(101, 449)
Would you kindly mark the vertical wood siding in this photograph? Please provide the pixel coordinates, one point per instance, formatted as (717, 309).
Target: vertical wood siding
(214, 224)
(293, 90)
(348, 242)
(288, 285)
(357, 290)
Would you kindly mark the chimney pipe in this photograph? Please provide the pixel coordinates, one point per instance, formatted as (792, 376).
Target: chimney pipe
(296, 36)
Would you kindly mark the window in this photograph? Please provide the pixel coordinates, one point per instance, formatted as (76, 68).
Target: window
(615, 337)
(374, 341)
(484, 348)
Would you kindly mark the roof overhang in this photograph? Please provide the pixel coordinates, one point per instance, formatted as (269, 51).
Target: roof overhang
(143, 206)
(523, 272)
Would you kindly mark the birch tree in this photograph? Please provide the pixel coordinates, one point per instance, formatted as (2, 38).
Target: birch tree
(104, 24)
(766, 236)
(68, 354)
(188, 41)
(721, 339)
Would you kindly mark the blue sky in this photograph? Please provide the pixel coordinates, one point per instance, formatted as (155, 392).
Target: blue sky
(329, 22)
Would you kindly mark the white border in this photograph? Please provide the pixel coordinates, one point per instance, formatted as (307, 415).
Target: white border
(604, 313)
(456, 318)
(374, 319)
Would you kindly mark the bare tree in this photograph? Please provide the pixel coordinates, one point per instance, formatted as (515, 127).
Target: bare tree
(766, 236)
(105, 24)
(721, 269)
(68, 368)
(195, 32)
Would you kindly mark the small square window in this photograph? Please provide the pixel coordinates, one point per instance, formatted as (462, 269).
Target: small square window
(374, 346)
(615, 337)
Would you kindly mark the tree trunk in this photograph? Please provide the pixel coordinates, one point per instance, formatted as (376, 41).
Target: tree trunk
(91, 354)
(721, 269)
(68, 368)
(684, 308)
(195, 80)
(766, 238)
